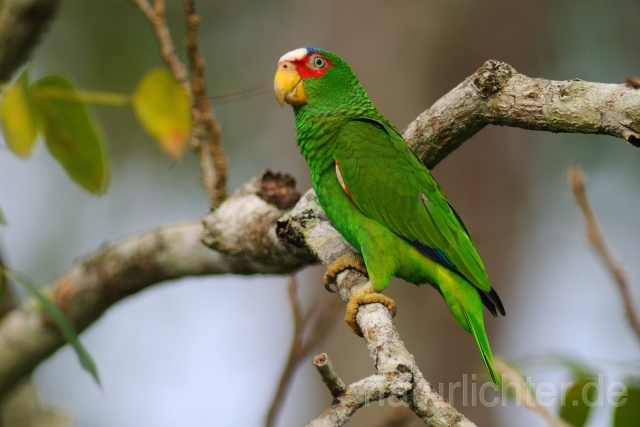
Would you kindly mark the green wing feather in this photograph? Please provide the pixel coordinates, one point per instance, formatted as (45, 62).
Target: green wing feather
(398, 191)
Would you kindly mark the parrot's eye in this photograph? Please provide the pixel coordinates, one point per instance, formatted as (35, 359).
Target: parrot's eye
(317, 62)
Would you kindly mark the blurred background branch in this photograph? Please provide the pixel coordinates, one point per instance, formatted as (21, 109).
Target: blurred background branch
(22, 23)
(309, 330)
(206, 138)
(597, 240)
(155, 14)
(516, 384)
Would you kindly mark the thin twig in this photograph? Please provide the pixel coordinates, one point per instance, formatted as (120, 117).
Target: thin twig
(310, 329)
(296, 305)
(596, 239)
(206, 133)
(294, 349)
(156, 17)
(348, 399)
(267, 84)
(206, 139)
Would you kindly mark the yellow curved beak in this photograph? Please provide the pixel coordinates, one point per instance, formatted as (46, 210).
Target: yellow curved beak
(288, 86)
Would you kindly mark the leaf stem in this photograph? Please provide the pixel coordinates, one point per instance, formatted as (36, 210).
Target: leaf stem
(88, 97)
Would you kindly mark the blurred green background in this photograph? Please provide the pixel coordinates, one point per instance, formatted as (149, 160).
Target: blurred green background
(173, 355)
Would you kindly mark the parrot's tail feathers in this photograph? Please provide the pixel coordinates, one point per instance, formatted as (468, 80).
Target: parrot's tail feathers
(476, 328)
(492, 301)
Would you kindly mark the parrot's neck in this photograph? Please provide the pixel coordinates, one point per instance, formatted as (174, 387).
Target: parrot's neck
(317, 131)
(316, 135)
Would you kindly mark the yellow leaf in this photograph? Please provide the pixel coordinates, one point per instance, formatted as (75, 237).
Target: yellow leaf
(164, 111)
(18, 117)
(71, 132)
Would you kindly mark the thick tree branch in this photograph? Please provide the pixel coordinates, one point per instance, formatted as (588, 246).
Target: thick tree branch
(497, 94)
(130, 265)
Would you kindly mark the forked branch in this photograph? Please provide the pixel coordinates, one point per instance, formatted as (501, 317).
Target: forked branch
(396, 371)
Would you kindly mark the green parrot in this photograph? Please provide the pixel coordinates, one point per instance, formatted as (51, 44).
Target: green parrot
(380, 196)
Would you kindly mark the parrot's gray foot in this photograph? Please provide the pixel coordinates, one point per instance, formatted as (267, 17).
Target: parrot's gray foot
(350, 260)
(366, 295)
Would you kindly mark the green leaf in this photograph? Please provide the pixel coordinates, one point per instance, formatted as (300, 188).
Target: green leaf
(163, 108)
(19, 117)
(627, 408)
(71, 133)
(578, 400)
(3, 219)
(61, 322)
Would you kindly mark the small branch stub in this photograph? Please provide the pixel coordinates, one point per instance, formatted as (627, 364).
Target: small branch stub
(279, 190)
(492, 77)
(329, 376)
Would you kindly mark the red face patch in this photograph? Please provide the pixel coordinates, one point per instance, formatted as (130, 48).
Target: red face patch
(312, 65)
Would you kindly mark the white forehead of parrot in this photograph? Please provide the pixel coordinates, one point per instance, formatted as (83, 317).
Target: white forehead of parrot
(294, 55)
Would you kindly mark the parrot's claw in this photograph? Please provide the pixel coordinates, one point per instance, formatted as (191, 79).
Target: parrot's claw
(330, 288)
(350, 260)
(366, 295)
